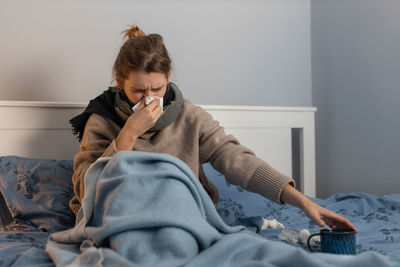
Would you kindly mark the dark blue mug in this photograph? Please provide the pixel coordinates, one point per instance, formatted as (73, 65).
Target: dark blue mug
(337, 241)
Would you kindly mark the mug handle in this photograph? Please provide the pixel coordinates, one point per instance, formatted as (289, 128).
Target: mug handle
(308, 241)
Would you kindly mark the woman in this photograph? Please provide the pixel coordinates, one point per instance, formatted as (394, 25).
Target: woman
(180, 128)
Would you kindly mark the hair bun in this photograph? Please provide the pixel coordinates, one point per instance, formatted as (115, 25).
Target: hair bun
(132, 31)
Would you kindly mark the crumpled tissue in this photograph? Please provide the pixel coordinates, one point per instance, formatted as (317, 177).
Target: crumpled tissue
(148, 100)
(301, 237)
(271, 224)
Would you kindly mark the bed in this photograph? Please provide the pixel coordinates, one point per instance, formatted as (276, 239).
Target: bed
(37, 147)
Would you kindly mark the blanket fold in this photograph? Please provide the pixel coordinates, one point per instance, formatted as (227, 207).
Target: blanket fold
(149, 209)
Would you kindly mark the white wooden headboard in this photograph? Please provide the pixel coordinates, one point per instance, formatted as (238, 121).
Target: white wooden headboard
(282, 136)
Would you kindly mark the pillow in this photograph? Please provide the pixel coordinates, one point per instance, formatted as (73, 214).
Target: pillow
(35, 193)
(235, 202)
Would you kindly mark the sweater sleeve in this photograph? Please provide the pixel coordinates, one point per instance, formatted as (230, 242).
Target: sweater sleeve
(98, 140)
(238, 163)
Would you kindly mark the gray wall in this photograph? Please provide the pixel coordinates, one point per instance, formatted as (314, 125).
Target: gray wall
(356, 88)
(223, 52)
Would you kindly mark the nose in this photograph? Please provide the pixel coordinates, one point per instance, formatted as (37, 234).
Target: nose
(148, 92)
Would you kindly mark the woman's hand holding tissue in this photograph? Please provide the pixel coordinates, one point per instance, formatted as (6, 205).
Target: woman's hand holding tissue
(315, 212)
(137, 124)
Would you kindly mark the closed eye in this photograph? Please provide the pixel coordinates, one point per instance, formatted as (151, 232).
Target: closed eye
(143, 90)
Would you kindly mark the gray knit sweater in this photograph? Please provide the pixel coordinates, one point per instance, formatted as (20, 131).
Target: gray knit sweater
(195, 138)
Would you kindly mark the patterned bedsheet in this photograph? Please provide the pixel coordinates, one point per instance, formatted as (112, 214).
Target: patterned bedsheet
(22, 244)
(24, 249)
(377, 218)
(379, 228)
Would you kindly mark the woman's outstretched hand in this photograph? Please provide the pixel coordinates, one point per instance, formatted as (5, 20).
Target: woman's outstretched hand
(322, 216)
(315, 212)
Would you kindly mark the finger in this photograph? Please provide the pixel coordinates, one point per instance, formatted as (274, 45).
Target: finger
(334, 224)
(158, 112)
(155, 116)
(320, 222)
(345, 227)
(152, 105)
(142, 105)
(339, 222)
(349, 225)
(155, 105)
(343, 222)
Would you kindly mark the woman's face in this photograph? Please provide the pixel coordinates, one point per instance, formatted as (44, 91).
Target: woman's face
(141, 84)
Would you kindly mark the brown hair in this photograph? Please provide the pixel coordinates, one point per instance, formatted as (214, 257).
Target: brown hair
(141, 52)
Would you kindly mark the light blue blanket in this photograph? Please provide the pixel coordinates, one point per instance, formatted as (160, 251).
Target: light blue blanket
(148, 209)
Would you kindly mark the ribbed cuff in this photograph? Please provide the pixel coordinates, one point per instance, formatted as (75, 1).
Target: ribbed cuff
(74, 205)
(75, 208)
(268, 182)
(111, 150)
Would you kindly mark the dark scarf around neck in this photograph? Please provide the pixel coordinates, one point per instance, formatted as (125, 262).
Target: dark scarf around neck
(116, 106)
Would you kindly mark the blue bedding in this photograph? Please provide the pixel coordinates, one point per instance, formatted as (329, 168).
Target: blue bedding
(149, 209)
(377, 218)
(24, 249)
(23, 241)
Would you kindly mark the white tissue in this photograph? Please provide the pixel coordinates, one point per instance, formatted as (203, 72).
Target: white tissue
(292, 236)
(303, 236)
(271, 224)
(148, 100)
